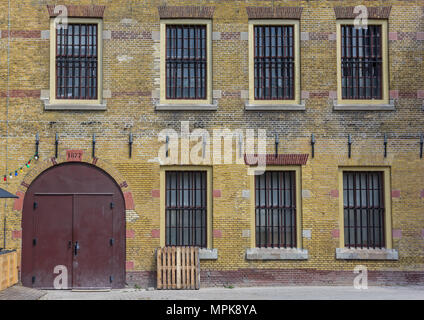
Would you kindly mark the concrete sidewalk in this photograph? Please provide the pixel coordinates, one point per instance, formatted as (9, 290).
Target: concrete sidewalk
(18, 292)
(257, 293)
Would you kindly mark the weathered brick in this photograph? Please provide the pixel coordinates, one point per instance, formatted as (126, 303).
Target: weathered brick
(132, 89)
(397, 233)
(129, 201)
(334, 193)
(217, 233)
(217, 193)
(155, 193)
(155, 233)
(335, 233)
(395, 193)
(129, 265)
(17, 205)
(130, 233)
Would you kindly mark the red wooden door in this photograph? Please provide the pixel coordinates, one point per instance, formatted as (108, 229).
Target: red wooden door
(52, 237)
(93, 247)
(74, 216)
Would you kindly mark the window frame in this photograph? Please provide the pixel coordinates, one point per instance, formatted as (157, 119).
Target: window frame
(52, 94)
(298, 195)
(388, 244)
(267, 226)
(180, 229)
(209, 201)
(181, 61)
(274, 22)
(385, 64)
(163, 97)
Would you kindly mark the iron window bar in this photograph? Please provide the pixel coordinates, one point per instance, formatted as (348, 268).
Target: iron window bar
(361, 62)
(186, 208)
(275, 209)
(274, 62)
(186, 62)
(364, 211)
(77, 62)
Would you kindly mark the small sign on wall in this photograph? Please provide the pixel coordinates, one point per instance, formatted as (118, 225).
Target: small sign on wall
(74, 155)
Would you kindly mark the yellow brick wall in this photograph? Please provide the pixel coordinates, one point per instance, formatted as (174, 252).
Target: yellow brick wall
(133, 86)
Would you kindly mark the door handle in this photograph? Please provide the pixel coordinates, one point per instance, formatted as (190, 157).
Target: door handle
(76, 248)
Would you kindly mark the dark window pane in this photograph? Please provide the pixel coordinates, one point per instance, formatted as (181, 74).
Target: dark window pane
(186, 208)
(363, 209)
(186, 62)
(274, 62)
(361, 62)
(76, 62)
(275, 206)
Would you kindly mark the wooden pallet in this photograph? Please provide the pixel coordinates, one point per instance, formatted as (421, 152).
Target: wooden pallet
(178, 268)
(8, 269)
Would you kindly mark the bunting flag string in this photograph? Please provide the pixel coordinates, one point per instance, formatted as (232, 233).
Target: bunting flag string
(16, 172)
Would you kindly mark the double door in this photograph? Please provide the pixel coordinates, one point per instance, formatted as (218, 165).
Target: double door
(72, 241)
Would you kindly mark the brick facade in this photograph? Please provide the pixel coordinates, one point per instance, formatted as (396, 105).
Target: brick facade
(131, 60)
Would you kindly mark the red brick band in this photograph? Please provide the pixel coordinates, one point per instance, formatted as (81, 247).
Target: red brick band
(274, 13)
(373, 12)
(21, 93)
(280, 159)
(132, 94)
(80, 11)
(285, 277)
(131, 35)
(21, 34)
(170, 12)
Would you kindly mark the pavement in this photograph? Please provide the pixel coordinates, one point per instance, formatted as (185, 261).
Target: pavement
(21, 293)
(252, 293)
(256, 293)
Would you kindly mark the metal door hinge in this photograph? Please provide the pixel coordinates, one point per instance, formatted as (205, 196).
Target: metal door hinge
(35, 205)
(111, 279)
(112, 241)
(33, 279)
(112, 205)
(34, 241)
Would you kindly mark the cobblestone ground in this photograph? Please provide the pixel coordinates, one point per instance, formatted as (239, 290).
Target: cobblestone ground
(260, 293)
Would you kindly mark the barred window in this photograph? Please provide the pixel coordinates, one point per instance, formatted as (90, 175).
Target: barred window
(275, 207)
(76, 61)
(274, 62)
(364, 211)
(186, 62)
(362, 62)
(186, 208)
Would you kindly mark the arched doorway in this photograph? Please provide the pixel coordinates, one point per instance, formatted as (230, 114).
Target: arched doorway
(74, 217)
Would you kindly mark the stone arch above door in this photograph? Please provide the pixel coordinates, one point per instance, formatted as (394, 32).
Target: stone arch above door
(39, 166)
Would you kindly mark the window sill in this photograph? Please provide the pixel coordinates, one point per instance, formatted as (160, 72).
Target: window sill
(364, 107)
(366, 254)
(74, 106)
(276, 254)
(208, 254)
(274, 107)
(186, 107)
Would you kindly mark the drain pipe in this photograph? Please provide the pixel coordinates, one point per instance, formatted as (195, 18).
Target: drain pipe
(7, 118)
